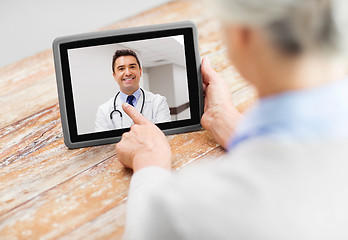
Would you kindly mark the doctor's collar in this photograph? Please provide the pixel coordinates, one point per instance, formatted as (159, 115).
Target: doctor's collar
(136, 94)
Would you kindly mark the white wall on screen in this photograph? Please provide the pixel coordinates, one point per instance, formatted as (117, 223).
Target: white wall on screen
(144, 80)
(181, 90)
(157, 76)
(184, 114)
(175, 89)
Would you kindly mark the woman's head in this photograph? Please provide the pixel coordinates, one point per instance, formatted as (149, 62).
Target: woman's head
(262, 33)
(294, 26)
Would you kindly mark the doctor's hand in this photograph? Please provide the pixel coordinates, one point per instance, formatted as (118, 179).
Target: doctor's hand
(144, 145)
(220, 115)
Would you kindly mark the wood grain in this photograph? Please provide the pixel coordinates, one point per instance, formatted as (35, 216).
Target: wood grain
(48, 191)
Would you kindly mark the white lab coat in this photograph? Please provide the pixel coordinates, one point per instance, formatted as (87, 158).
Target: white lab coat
(156, 109)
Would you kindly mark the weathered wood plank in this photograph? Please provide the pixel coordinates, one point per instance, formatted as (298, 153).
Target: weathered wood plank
(82, 198)
(112, 222)
(27, 88)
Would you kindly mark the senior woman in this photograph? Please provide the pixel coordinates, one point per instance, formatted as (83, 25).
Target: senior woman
(285, 175)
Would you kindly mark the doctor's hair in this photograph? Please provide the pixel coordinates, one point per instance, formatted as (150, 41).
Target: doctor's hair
(293, 26)
(121, 53)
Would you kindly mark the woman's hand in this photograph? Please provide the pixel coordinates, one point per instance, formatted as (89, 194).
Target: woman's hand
(220, 115)
(144, 145)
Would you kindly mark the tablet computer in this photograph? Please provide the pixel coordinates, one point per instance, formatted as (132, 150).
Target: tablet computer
(154, 68)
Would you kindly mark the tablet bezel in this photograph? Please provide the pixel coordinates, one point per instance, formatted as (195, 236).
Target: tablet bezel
(63, 44)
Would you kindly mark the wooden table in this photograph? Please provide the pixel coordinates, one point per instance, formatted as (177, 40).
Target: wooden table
(48, 191)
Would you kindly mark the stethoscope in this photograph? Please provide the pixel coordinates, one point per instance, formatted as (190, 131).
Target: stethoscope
(121, 116)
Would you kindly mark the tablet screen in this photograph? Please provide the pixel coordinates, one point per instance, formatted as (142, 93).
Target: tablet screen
(151, 74)
(155, 69)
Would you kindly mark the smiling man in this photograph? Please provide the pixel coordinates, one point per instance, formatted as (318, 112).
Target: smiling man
(127, 72)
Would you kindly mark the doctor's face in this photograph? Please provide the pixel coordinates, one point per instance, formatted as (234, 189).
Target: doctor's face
(127, 74)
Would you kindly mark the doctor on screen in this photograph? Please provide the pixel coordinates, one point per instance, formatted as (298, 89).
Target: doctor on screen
(127, 72)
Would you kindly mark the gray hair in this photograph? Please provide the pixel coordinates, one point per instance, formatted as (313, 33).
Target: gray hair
(294, 26)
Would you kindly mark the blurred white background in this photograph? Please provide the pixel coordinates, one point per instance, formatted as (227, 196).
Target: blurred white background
(28, 27)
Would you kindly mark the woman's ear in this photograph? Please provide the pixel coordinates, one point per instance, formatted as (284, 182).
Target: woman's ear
(243, 36)
(238, 39)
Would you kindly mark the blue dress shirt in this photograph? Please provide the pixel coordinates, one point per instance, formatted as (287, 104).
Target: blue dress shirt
(136, 94)
(316, 113)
